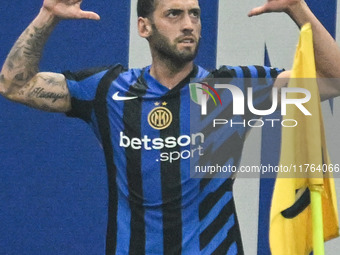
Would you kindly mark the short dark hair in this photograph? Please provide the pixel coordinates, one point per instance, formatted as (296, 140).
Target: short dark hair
(145, 8)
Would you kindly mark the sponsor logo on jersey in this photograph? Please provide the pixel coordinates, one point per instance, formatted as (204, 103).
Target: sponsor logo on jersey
(117, 97)
(184, 146)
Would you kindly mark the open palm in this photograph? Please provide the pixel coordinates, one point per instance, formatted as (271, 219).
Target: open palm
(273, 6)
(68, 9)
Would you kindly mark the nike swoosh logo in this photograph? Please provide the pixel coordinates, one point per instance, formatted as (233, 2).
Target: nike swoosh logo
(121, 98)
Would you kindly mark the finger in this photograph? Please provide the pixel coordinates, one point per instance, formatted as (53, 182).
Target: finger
(257, 11)
(89, 15)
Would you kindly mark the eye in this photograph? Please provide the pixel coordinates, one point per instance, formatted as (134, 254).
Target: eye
(195, 13)
(173, 13)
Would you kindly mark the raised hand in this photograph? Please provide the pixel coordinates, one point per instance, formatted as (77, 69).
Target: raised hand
(274, 6)
(68, 9)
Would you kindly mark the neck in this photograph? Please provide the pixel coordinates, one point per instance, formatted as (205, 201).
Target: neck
(169, 74)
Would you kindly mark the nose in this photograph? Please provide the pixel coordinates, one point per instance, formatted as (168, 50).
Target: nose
(188, 25)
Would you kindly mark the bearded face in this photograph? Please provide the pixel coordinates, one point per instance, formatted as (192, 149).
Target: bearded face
(181, 49)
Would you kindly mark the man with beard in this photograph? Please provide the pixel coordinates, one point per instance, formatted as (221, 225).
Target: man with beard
(141, 118)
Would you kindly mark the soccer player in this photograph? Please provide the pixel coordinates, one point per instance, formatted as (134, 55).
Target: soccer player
(141, 118)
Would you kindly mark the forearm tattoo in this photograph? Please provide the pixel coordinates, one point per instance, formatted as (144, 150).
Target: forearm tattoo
(22, 62)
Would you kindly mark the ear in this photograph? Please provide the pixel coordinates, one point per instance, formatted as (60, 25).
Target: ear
(144, 27)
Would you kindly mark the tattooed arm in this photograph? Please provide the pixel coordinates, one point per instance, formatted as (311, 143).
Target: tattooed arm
(20, 79)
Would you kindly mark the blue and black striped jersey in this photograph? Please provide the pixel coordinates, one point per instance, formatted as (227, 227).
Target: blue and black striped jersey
(155, 207)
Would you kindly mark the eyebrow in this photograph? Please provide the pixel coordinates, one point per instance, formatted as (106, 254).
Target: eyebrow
(181, 10)
(174, 10)
(196, 9)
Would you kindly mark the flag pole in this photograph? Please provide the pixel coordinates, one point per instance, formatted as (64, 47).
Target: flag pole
(316, 206)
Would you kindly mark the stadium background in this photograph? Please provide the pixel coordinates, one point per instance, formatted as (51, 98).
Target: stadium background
(52, 173)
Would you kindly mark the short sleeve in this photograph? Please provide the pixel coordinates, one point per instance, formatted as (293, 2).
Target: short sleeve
(82, 86)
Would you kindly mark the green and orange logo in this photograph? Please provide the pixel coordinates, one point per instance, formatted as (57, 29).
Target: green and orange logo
(199, 89)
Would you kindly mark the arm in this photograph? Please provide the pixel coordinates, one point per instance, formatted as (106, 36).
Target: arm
(327, 53)
(20, 79)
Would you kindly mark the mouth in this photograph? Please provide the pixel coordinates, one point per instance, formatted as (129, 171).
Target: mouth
(188, 41)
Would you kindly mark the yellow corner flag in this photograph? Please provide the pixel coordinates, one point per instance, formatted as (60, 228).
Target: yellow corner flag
(304, 152)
